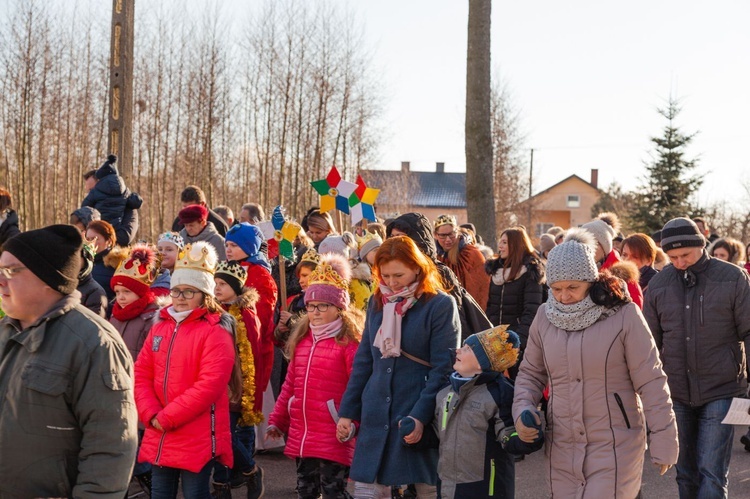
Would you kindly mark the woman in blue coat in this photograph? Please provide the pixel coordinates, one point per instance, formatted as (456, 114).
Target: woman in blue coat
(404, 359)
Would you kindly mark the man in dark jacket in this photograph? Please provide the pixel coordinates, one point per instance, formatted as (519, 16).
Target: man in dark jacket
(698, 310)
(193, 194)
(68, 420)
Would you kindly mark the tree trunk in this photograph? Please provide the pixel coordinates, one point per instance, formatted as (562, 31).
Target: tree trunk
(480, 199)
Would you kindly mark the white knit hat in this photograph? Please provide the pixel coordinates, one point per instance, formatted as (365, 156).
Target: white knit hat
(195, 266)
(602, 232)
(573, 259)
(341, 245)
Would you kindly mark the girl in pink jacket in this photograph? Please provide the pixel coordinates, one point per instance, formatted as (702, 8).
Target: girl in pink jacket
(321, 350)
(181, 382)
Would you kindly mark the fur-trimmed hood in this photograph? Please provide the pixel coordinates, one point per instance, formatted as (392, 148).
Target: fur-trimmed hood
(627, 271)
(361, 271)
(534, 267)
(116, 256)
(249, 298)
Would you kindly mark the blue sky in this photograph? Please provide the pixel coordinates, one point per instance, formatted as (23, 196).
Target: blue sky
(586, 76)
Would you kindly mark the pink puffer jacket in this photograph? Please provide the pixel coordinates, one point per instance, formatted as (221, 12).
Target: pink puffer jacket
(603, 381)
(318, 372)
(181, 377)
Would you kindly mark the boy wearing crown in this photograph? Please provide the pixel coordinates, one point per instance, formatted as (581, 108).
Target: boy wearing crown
(474, 413)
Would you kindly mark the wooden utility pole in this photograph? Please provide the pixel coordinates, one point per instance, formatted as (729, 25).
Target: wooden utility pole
(121, 86)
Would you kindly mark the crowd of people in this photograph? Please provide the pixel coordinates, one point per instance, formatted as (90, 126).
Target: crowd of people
(408, 359)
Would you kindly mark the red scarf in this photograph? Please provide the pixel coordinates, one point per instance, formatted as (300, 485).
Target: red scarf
(134, 309)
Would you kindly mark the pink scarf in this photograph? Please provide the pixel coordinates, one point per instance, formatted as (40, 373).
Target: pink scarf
(395, 306)
(329, 330)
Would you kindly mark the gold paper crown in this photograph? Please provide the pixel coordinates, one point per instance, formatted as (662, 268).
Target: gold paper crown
(366, 237)
(445, 220)
(311, 256)
(325, 274)
(233, 269)
(503, 354)
(139, 265)
(197, 256)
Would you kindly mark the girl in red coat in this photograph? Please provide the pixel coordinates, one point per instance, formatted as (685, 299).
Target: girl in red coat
(321, 351)
(181, 379)
(240, 302)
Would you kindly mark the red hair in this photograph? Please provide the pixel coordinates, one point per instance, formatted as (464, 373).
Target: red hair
(403, 249)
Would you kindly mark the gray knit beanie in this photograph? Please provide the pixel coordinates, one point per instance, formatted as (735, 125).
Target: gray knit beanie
(344, 245)
(602, 232)
(573, 259)
(681, 233)
(546, 242)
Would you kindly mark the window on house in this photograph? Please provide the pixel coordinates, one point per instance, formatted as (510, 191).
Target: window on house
(543, 227)
(574, 201)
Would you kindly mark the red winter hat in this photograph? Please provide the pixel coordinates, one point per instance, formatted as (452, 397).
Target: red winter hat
(193, 213)
(137, 272)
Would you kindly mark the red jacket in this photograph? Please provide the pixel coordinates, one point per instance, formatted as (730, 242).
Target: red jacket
(633, 287)
(181, 377)
(260, 279)
(262, 353)
(318, 372)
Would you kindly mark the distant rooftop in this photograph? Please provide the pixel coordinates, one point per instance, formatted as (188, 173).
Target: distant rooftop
(438, 189)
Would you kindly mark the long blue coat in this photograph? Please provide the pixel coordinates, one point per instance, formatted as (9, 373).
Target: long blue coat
(382, 391)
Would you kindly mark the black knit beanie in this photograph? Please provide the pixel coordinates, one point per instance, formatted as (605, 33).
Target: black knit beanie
(52, 253)
(681, 233)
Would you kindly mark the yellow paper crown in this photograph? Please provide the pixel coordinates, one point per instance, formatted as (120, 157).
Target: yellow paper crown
(139, 265)
(325, 274)
(502, 353)
(232, 269)
(445, 220)
(197, 256)
(311, 256)
(367, 237)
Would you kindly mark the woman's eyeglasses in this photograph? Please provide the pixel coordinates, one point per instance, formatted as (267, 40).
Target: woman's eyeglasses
(446, 235)
(320, 307)
(185, 293)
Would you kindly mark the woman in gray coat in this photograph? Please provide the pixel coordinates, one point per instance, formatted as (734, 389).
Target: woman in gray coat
(402, 362)
(591, 345)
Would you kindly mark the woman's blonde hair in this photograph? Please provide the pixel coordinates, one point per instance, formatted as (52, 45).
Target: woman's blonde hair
(354, 322)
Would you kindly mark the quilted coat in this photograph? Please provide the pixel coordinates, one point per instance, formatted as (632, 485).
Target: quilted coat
(318, 373)
(181, 378)
(606, 384)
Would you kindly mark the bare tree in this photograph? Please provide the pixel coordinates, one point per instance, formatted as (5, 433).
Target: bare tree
(479, 172)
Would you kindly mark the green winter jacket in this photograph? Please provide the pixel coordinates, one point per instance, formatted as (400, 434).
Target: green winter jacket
(68, 418)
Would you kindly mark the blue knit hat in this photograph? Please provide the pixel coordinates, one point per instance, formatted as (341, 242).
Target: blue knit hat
(249, 238)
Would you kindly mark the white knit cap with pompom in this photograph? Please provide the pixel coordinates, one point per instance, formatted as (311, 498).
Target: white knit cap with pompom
(573, 259)
(342, 245)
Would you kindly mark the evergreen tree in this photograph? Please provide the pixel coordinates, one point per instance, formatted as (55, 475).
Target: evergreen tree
(668, 186)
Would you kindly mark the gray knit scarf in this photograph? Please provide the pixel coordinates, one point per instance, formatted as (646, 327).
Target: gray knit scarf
(575, 317)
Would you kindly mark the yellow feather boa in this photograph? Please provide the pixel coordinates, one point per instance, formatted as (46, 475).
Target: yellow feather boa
(250, 416)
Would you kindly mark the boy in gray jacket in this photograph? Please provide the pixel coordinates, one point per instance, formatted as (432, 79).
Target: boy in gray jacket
(473, 413)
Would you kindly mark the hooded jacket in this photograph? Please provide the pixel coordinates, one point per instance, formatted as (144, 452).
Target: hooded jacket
(111, 198)
(628, 273)
(606, 386)
(181, 378)
(209, 235)
(699, 319)
(67, 421)
(515, 302)
(9, 227)
(317, 377)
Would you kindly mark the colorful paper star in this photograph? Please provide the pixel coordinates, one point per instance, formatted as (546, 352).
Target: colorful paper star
(334, 192)
(361, 202)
